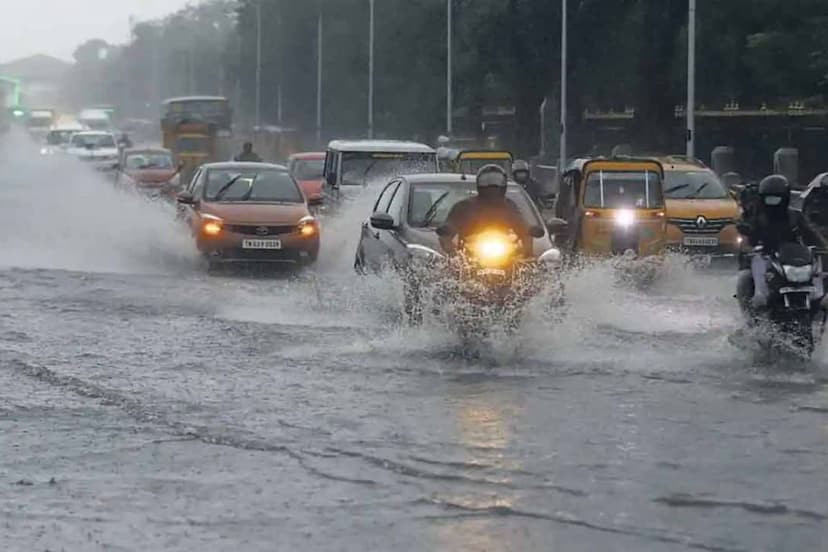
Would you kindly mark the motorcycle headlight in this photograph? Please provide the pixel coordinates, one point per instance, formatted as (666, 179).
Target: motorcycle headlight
(492, 249)
(798, 274)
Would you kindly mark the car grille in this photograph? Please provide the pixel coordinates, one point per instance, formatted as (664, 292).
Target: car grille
(691, 226)
(259, 229)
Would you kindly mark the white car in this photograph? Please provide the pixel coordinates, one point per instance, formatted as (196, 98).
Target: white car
(98, 148)
(59, 137)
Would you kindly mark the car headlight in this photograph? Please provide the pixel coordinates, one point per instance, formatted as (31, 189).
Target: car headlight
(211, 225)
(308, 227)
(422, 252)
(624, 218)
(551, 257)
(798, 274)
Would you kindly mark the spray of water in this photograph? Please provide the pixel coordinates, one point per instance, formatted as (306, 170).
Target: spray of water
(57, 213)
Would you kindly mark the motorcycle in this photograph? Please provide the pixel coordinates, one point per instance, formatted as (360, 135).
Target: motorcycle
(795, 311)
(489, 281)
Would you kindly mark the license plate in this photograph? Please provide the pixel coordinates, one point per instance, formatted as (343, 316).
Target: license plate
(701, 241)
(261, 244)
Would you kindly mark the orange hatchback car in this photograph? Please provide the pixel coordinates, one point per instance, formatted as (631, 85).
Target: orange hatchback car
(249, 213)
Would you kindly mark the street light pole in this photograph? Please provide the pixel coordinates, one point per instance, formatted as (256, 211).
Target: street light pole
(319, 79)
(691, 80)
(371, 71)
(449, 75)
(562, 159)
(258, 63)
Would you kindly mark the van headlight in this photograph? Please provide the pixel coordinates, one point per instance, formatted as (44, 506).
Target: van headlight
(422, 252)
(798, 274)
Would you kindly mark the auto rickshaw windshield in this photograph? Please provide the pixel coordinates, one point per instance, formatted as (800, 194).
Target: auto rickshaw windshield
(623, 190)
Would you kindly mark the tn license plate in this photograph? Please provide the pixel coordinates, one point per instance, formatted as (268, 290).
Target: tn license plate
(701, 241)
(261, 244)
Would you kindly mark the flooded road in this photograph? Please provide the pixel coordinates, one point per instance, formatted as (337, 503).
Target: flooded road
(147, 406)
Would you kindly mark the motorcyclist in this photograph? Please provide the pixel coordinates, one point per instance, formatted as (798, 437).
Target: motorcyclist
(766, 223)
(523, 176)
(489, 209)
(248, 155)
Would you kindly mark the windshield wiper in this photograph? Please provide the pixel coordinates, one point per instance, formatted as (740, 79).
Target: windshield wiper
(699, 190)
(367, 170)
(432, 211)
(223, 190)
(676, 188)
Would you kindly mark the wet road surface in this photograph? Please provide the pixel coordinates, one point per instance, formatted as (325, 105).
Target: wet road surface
(147, 406)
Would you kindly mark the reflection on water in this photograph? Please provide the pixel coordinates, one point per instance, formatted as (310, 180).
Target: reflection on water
(482, 421)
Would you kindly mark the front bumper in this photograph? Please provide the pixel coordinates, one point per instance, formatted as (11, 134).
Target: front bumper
(228, 247)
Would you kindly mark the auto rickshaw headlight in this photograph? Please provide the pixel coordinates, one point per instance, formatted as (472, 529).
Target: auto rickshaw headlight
(624, 218)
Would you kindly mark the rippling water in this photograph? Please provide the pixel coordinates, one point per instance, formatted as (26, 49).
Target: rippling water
(145, 405)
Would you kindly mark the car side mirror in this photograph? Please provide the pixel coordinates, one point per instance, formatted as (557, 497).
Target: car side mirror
(382, 221)
(537, 232)
(556, 225)
(186, 198)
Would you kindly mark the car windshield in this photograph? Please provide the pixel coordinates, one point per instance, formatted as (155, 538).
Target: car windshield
(93, 141)
(623, 189)
(360, 168)
(58, 137)
(307, 169)
(693, 185)
(149, 160)
(423, 214)
(263, 186)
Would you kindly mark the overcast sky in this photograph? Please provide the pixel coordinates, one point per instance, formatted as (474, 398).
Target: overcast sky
(57, 27)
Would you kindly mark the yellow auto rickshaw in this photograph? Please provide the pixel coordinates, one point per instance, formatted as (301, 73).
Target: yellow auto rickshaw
(613, 207)
(470, 161)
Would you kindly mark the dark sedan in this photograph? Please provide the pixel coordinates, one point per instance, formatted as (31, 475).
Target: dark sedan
(404, 220)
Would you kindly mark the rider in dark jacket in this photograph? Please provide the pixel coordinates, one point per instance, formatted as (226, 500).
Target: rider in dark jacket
(767, 222)
(248, 154)
(523, 176)
(489, 209)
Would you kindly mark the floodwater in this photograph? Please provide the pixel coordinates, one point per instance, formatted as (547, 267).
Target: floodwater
(147, 406)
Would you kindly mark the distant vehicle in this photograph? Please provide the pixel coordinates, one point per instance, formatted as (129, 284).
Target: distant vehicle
(150, 171)
(59, 137)
(349, 164)
(249, 212)
(471, 161)
(95, 119)
(39, 122)
(191, 128)
(100, 149)
(308, 169)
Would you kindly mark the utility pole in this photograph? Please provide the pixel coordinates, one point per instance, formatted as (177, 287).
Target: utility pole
(258, 63)
(371, 71)
(691, 80)
(562, 160)
(449, 75)
(281, 68)
(319, 29)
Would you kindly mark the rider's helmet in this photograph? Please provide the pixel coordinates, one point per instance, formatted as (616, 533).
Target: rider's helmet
(491, 182)
(775, 192)
(520, 172)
